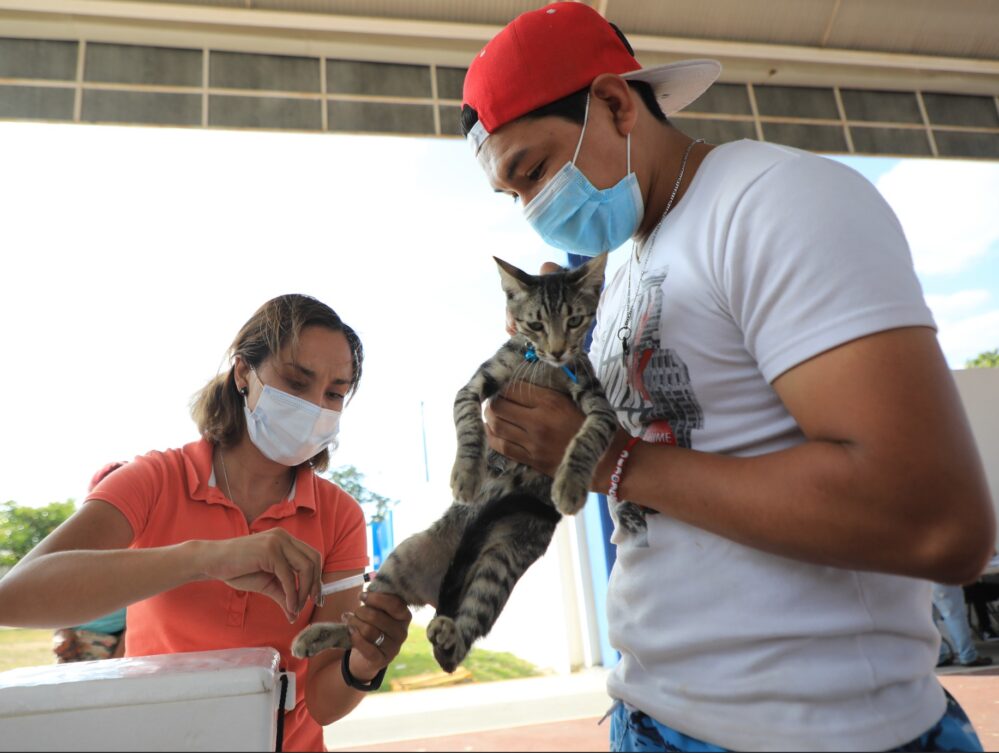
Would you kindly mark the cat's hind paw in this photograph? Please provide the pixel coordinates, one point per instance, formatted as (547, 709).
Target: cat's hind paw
(569, 493)
(449, 648)
(319, 637)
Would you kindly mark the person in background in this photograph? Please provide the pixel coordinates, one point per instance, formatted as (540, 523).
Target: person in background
(227, 541)
(949, 602)
(979, 595)
(775, 370)
(103, 638)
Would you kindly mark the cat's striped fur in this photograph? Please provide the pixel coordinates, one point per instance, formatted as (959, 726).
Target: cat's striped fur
(504, 513)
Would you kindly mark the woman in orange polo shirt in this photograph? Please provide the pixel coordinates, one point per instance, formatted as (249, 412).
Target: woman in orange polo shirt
(226, 541)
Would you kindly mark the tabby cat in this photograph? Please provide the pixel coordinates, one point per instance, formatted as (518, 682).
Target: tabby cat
(504, 513)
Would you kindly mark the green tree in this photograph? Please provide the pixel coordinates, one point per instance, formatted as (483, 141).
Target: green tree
(987, 360)
(21, 528)
(351, 480)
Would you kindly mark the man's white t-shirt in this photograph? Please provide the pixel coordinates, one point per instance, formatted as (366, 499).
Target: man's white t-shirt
(773, 256)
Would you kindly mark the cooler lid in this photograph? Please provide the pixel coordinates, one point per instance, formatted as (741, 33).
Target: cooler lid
(137, 681)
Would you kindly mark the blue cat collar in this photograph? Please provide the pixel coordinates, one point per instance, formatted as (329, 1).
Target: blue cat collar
(530, 355)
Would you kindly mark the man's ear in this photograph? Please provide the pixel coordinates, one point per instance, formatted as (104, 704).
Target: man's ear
(515, 281)
(620, 98)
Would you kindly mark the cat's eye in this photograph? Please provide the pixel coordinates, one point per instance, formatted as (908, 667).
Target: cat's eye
(536, 326)
(574, 321)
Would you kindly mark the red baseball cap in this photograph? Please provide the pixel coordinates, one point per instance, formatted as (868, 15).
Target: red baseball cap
(549, 53)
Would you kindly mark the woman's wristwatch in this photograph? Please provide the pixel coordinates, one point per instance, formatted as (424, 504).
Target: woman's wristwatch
(353, 682)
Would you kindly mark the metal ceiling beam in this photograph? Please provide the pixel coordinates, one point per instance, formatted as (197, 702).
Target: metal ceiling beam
(265, 20)
(451, 43)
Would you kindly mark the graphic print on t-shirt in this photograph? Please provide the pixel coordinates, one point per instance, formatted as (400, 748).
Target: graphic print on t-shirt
(650, 388)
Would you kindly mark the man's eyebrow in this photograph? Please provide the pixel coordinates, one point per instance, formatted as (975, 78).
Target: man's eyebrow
(514, 163)
(311, 374)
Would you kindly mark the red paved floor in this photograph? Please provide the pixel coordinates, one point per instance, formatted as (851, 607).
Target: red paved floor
(576, 735)
(977, 692)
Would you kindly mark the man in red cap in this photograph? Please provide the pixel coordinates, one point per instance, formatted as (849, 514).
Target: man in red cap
(788, 422)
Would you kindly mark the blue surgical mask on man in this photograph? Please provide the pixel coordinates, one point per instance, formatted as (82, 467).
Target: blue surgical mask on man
(570, 213)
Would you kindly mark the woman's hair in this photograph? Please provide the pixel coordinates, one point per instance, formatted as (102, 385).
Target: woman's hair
(217, 408)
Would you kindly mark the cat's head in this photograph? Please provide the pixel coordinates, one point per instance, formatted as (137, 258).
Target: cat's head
(554, 311)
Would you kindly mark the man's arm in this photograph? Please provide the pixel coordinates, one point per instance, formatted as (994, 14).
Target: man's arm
(888, 480)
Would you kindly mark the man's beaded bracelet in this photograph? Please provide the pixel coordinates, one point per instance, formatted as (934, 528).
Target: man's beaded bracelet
(615, 479)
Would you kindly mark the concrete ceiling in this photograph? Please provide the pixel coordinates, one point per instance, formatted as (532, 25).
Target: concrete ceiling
(916, 78)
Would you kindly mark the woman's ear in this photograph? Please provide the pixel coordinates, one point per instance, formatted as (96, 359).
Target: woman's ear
(241, 375)
(619, 98)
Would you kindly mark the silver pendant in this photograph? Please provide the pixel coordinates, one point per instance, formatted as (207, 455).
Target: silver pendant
(623, 334)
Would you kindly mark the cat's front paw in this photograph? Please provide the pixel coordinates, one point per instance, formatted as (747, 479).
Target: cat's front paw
(449, 648)
(466, 479)
(319, 637)
(569, 493)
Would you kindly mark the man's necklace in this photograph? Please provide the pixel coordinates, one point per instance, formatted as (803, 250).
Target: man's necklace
(625, 331)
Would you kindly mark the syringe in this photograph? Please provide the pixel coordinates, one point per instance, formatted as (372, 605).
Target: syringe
(344, 583)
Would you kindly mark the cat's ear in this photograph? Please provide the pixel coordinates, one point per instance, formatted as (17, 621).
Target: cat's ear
(514, 280)
(591, 274)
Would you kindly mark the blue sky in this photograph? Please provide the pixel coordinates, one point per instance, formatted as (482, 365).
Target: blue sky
(133, 255)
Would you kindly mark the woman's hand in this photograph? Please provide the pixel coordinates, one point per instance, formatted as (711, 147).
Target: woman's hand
(273, 563)
(378, 628)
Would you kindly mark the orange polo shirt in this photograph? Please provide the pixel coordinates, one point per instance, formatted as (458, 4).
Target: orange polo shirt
(170, 497)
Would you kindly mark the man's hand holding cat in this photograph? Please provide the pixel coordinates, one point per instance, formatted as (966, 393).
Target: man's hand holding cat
(273, 563)
(532, 425)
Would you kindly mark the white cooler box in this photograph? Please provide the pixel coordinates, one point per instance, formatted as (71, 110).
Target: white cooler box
(207, 700)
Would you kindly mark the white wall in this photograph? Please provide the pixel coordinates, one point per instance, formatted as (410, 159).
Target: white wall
(979, 390)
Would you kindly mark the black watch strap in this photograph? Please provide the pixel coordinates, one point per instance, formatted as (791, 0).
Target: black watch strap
(356, 684)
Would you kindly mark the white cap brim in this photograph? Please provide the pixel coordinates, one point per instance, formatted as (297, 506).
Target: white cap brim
(676, 85)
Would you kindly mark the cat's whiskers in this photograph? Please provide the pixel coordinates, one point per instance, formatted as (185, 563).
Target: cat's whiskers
(523, 373)
(535, 377)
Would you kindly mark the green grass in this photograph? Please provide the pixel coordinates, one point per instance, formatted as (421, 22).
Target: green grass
(417, 658)
(27, 648)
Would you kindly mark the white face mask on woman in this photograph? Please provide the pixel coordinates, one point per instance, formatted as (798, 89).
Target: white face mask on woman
(288, 429)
